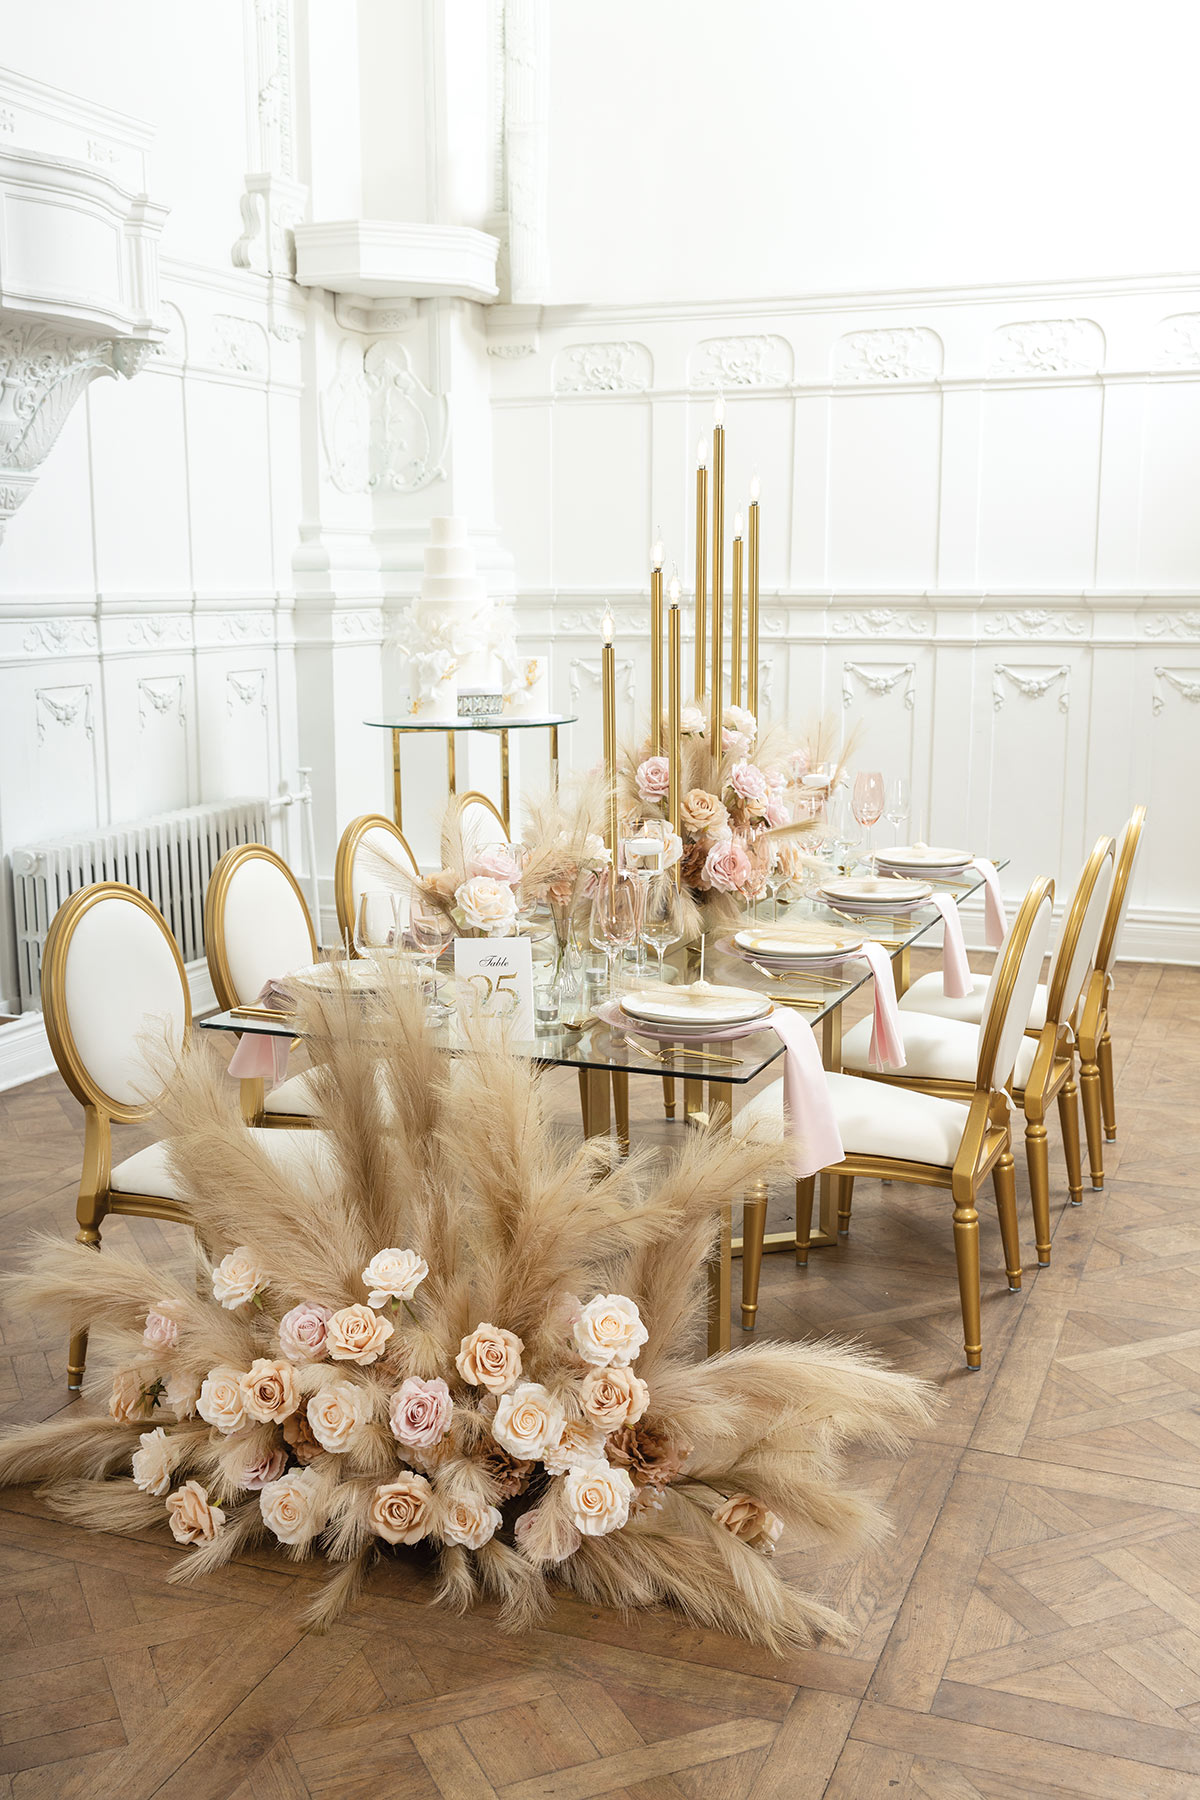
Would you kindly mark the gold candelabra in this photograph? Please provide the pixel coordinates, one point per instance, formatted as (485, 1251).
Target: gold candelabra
(718, 574)
(656, 632)
(700, 654)
(735, 659)
(752, 605)
(608, 687)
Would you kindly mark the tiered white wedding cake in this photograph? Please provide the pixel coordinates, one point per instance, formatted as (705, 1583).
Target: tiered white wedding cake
(447, 631)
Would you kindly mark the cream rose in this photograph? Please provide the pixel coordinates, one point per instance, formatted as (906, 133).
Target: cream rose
(152, 1464)
(222, 1402)
(691, 722)
(751, 1521)
(702, 811)
(599, 1499)
(486, 905)
(394, 1275)
(469, 1524)
(269, 1391)
(420, 1411)
(192, 1519)
(614, 1397)
(289, 1506)
(528, 1420)
(302, 1332)
(579, 1445)
(162, 1331)
(268, 1468)
(356, 1334)
(736, 718)
(609, 1330)
(336, 1413)
(237, 1278)
(490, 1357)
(400, 1509)
(135, 1393)
(182, 1392)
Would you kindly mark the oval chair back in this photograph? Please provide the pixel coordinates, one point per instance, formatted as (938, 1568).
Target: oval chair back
(1074, 958)
(482, 822)
(256, 924)
(111, 971)
(1118, 904)
(1013, 987)
(353, 876)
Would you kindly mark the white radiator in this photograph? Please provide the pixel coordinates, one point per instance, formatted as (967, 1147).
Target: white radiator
(169, 858)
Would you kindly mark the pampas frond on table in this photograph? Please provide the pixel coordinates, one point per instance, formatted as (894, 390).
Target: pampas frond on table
(454, 1329)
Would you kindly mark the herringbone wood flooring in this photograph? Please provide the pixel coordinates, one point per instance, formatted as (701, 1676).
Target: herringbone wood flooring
(1031, 1629)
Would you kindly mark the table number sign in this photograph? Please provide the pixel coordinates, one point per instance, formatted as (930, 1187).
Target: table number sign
(494, 976)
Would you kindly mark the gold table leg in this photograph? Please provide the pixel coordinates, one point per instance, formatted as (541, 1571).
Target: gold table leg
(693, 1103)
(902, 969)
(595, 1088)
(504, 787)
(451, 778)
(554, 757)
(397, 797)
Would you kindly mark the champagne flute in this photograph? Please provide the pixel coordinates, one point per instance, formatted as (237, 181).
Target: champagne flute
(613, 923)
(430, 930)
(662, 919)
(899, 806)
(867, 803)
(375, 926)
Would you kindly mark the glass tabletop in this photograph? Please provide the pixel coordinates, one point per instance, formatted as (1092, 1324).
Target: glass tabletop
(600, 1047)
(496, 722)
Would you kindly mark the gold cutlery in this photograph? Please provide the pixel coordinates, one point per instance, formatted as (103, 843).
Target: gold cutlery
(669, 1054)
(797, 975)
(260, 1012)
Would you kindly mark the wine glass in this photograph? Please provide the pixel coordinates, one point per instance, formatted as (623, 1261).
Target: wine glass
(376, 932)
(899, 805)
(662, 917)
(867, 802)
(431, 930)
(613, 922)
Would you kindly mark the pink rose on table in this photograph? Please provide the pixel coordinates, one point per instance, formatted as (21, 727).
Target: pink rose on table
(734, 743)
(302, 1332)
(356, 1334)
(749, 784)
(420, 1411)
(775, 812)
(270, 1467)
(498, 861)
(798, 763)
(737, 718)
(653, 778)
(486, 905)
(726, 867)
(161, 1331)
(192, 1519)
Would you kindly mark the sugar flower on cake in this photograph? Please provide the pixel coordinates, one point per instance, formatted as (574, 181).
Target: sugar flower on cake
(401, 1510)
(356, 1334)
(394, 1275)
(609, 1330)
(599, 1498)
(237, 1279)
(484, 904)
(302, 1332)
(289, 1506)
(528, 1420)
(192, 1517)
(335, 1413)
(420, 1412)
(490, 1357)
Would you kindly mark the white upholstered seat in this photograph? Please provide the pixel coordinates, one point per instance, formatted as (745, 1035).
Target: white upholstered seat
(148, 1171)
(934, 1049)
(293, 1096)
(874, 1120)
(926, 996)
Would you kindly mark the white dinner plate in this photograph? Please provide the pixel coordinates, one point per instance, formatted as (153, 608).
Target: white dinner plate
(696, 1008)
(789, 946)
(924, 859)
(876, 892)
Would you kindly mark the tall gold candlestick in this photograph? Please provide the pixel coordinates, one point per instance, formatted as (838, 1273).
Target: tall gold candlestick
(735, 659)
(718, 576)
(656, 637)
(674, 712)
(752, 606)
(608, 689)
(699, 673)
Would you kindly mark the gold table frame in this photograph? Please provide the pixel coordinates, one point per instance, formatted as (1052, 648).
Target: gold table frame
(499, 726)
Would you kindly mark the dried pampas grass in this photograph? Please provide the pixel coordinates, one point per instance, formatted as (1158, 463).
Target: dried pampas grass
(557, 1284)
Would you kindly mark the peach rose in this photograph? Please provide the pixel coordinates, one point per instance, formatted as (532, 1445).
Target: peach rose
(751, 1521)
(192, 1519)
(356, 1334)
(335, 1414)
(420, 1411)
(469, 1524)
(162, 1331)
(579, 1445)
(609, 1330)
(152, 1464)
(490, 1357)
(486, 905)
(269, 1391)
(268, 1468)
(599, 1499)
(302, 1332)
(702, 812)
(237, 1278)
(298, 1436)
(394, 1275)
(135, 1393)
(400, 1509)
(528, 1420)
(222, 1402)
(614, 1397)
(289, 1506)
(726, 867)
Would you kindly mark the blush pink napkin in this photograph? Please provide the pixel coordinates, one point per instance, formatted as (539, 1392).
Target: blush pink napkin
(808, 1111)
(995, 919)
(262, 1055)
(956, 971)
(887, 1036)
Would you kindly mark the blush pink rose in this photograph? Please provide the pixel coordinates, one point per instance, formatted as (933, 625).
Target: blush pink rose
(420, 1411)
(498, 861)
(653, 778)
(161, 1333)
(268, 1468)
(302, 1332)
(726, 867)
(749, 784)
(775, 812)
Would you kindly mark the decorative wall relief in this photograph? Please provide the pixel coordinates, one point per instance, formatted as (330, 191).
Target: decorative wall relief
(1179, 625)
(381, 428)
(880, 678)
(880, 621)
(1048, 347)
(900, 353)
(64, 706)
(623, 368)
(60, 637)
(358, 625)
(154, 633)
(1184, 681)
(238, 344)
(588, 668)
(236, 628)
(1178, 345)
(591, 623)
(734, 362)
(162, 695)
(245, 688)
(1034, 683)
(1034, 621)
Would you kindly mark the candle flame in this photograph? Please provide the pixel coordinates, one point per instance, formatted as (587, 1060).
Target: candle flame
(656, 554)
(755, 489)
(607, 627)
(737, 524)
(702, 455)
(675, 590)
(719, 410)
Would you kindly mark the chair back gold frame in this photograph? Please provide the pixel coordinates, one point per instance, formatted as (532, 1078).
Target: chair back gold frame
(1131, 841)
(344, 895)
(1059, 1003)
(474, 798)
(1096, 1083)
(214, 917)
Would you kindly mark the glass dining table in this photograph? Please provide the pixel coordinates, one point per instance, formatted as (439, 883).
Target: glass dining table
(604, 1057)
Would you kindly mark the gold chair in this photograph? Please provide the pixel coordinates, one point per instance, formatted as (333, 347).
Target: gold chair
(482, 820)
(899, 1134)
(1092, 1031)
(369, 830)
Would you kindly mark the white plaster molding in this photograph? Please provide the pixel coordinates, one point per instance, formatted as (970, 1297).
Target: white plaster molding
(897, 353)
(1048, 347)
(1184, 681)
(375, 318)
(1179, 341)
(523, 152)
(162, 695)
(880, 679)
(381, 427)
(617, 368)
(60, 637)
(737, 362)
(157, 633)
(589, 669)
(387, 260)
(64, 706)
(1034, 683)
(273, 201)
(245, 687)
(881, 621)
(358, 625)
(1179, 625)
(591, 623)
(237, 628)
(1034, 622)
(238, 344)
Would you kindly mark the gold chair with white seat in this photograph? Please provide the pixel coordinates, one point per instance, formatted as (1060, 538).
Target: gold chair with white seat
(257, 929)
(351, 870)
(1091, 1030)
(899, 1134)
(112, 972)
(941, 1054)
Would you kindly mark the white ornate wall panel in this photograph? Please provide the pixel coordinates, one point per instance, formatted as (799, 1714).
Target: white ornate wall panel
(980, 537)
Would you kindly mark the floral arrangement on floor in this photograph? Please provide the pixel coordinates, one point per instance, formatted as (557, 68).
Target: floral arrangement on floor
(454, 1336)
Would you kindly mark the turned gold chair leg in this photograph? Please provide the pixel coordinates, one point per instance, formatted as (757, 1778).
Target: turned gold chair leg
(1037, 1152)
(754, 1226)
(1068, 1114)
(966, 1254)
(620, 1094)
(805, 1191)
(1108, 1096)
(845, 1194)
(1089, 1093)
(1004, 1182)
(668, 1096)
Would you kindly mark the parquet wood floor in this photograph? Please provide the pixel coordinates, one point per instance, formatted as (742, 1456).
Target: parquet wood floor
(1031, 1629)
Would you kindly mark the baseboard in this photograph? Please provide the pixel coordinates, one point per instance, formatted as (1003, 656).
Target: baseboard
(25, 1052)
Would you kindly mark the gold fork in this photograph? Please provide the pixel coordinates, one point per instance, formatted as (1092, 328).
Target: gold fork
(670, 1055)
(819, 980)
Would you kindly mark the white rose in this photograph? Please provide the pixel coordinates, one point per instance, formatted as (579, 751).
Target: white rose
(599, 1499)
(356, 1334)
(486, 905)
(289, 1506)
(527, 1421)
(221, 1401)
(609, 1330)
(691, 722)
(335, 1413)
(736, 718)
(394, 1275)
(466, 1523)
(152, 1464)
(579, 1445)
(237, 1278)
(181, 1394)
